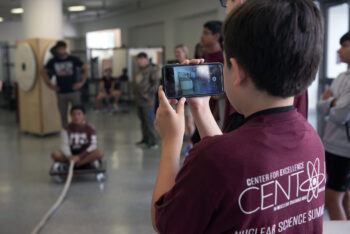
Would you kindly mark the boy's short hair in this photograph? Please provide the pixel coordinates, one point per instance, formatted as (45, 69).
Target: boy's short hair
(60, 44)
(215, 26)
(142, 55)
(344, 38)
(78, 107)
(278, 43)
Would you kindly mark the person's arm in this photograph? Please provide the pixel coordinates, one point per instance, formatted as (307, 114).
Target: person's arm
(84, 74)
(202, 115)
(45, 75)
(339, 112)
(92, 146)
(93, 143)
(65, 147)
(170, 125)
(325, 104)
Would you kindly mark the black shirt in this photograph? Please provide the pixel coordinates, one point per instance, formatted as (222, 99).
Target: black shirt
(66, 71)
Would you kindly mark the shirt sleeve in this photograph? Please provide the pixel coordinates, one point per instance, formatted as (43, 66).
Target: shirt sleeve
(340, 114)
(155, 76)
(49, 66)
(78, 62)
(190, 204)
(65, 147)
(324, 106)
(93, 141)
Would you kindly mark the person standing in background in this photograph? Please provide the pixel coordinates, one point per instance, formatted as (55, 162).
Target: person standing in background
(145, 84)
(212, 42)
(181, 54)
(71, 75)
(335, 107)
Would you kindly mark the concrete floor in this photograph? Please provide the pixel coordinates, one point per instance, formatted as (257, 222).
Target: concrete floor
(27, 191)
(121, 207)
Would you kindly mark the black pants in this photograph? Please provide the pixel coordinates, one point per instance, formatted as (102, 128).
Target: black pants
(146, 115)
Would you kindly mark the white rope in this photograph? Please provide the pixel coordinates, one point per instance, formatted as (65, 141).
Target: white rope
(57, 204)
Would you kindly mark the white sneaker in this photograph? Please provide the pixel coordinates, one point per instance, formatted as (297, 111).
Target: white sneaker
(96, 164)
(57, 167)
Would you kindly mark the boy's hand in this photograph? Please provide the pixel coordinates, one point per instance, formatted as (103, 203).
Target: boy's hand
(78, 86)
(75, 159)
(197, 103)
(170, 123)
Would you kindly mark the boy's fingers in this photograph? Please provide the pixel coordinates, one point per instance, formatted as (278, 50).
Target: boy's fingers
(163, 100)
(173, 101)
(193, 61)
(180, 107)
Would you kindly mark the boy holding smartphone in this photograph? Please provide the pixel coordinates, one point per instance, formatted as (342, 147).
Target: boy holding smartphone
(267, 176)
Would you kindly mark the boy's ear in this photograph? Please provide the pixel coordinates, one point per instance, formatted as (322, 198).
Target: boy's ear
(240, 74)
(217, 36)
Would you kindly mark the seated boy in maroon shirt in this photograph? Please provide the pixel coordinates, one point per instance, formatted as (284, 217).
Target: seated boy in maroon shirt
(268, 176)
(78, 142)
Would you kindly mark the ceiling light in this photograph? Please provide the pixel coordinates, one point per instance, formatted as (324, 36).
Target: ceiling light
(1, 19)
(17, 10)
(77, 8)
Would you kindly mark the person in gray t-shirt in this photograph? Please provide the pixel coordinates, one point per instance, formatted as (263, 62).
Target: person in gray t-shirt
(335, 107)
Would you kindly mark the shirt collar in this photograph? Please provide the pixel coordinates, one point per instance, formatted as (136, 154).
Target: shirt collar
(269, 111)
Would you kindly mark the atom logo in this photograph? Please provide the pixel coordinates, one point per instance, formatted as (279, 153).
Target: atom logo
(316, 178)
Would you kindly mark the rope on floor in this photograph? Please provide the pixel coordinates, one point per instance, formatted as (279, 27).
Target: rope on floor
(58, 203)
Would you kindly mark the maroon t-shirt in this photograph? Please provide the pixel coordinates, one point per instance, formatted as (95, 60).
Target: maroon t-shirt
(233, 119)
(268, 176)
(80, 137)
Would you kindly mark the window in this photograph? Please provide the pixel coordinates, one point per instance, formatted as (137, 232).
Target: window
(103, 39)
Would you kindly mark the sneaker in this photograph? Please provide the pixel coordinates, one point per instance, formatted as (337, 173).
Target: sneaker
(57, 167)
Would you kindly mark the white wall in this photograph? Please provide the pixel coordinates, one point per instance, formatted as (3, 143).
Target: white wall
(11, 32)
(176, 22)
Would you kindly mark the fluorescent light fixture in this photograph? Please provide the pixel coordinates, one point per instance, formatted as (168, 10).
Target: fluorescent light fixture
(1, 19)
(17, 10)
(77, 8)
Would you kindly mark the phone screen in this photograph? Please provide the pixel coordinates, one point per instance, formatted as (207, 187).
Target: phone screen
(193, 80)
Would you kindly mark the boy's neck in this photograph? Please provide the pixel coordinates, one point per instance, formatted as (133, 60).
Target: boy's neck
(213, 48)
(264, 102)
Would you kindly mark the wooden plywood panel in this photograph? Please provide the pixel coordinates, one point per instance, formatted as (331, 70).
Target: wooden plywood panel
(38, 107)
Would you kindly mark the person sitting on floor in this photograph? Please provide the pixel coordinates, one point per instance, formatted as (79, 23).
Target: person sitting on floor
(78, 143)
(108, 90)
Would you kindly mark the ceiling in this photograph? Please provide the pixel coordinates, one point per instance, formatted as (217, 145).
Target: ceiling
(95, 8)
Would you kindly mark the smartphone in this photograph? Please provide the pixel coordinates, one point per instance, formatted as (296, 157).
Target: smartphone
(193, 80)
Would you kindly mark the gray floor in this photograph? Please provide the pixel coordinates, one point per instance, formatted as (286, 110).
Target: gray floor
(26, 190)
(122, 206)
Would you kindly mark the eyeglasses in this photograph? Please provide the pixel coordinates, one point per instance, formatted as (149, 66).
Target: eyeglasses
(223, 3)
